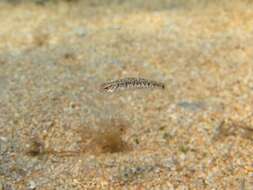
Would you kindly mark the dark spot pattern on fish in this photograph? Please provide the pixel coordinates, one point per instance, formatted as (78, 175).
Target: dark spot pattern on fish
(130, 83)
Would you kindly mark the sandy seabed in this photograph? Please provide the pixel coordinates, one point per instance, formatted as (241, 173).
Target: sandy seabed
(58, 131)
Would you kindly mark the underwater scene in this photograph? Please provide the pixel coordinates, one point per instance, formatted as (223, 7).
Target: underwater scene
(126, 94)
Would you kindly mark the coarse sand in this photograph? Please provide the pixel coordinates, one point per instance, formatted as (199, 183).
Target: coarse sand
(58, 131)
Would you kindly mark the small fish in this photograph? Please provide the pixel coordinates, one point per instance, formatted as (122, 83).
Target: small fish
(130, 83)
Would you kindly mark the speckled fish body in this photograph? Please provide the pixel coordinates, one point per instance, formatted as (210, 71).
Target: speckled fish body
(130, 83)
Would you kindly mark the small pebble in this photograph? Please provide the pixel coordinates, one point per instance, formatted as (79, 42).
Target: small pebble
(31, 185)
